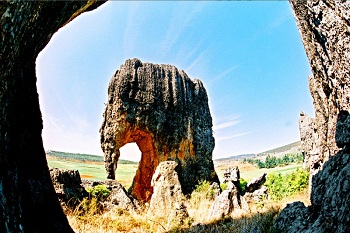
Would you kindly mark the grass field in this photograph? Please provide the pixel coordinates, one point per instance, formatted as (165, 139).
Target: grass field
(126, 172)
(249, 172)
(95, 170)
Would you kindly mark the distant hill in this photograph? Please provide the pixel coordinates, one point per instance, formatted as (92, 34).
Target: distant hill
(236, 157)
(287, 149)
(82, 157)
(294, 147)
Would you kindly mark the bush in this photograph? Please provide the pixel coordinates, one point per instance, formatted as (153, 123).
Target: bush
(92, 205)
(203, 191)
(243, 183)
(223, 186)
(100, 192)
(282, 186)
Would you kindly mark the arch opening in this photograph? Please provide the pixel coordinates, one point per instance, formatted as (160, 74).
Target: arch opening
(141, 187)
(130, 156)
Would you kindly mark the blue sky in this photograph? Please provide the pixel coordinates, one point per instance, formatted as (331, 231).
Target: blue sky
(249, 56)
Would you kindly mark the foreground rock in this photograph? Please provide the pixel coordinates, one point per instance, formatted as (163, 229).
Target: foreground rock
(233, 198)
(67, 184)
(27, 198)
(71, 190)
(324, 26)
(256, 183)
(167, 198)
(329, 210)
(167, 114)
(118, 197)
(308, 138)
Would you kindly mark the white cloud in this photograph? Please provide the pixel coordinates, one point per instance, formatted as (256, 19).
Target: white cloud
(223, 74)
(225, 125)
(232, 136)
(193, 64)
(180, 20)
(132, 29)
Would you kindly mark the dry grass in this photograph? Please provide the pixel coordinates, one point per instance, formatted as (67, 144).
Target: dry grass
(259, 216)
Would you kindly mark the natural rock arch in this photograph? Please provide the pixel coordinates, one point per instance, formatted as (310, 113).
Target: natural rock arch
(167, 114)
(27, 199)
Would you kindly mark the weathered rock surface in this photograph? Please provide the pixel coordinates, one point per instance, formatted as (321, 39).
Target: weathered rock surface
(118, 197)
(232, 175)
(167, 193)
(178, 216)
(230, 199)
(28, 202)
(256, 183)
(260, 194)
(324, 27)
(222, 205)
(330, 201)
(67, 184)
(309, 137)
(233, 198)
(167, 114)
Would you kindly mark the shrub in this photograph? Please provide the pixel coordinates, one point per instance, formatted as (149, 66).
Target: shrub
(282, 186)
(243, 183)
(223, 186)
(92, 205)
(203, 191)
(100, 192)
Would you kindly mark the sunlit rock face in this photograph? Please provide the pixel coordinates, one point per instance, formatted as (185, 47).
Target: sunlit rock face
(324, 28)
(167, 114)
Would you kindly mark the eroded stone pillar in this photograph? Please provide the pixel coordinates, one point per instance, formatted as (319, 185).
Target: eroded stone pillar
(167, 114)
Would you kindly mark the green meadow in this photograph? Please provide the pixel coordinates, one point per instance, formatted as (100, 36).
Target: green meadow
(93, 168)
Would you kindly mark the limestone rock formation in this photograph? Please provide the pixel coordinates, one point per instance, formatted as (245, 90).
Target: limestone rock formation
(257, 195)
(118, 197)
(233, 198)
(324, 27)
(28, 202)
(167, 190)
(178, 216)
(309, 138)
(256, 183)
(330, 202)
(67, 184)
(230, 199)
(167, 114)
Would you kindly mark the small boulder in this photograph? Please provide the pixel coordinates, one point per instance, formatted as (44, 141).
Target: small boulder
(167, 192)
(257, 195)
(118, 197)
(256, 183)
(67, 184)
(178, 215)
(230, 199)
(222, 206)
